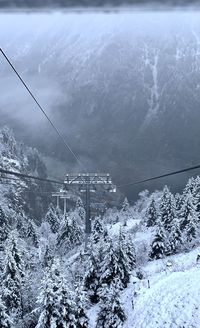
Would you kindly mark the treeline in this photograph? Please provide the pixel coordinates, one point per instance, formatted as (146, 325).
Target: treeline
(48, 280)
(176, 220)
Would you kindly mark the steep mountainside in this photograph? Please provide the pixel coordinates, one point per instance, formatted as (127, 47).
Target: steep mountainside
(22, 194)
(113, 84)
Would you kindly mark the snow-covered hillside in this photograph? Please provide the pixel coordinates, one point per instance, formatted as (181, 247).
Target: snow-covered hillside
(21, 193)
(139, 267)
(173, 297)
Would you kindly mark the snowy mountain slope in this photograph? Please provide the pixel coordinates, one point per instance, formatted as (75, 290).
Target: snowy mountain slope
(117, 78)
(171, 301)
(173, 297)
(19, 194)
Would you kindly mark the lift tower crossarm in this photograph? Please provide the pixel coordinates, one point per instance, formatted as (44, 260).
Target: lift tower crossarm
(87, 182)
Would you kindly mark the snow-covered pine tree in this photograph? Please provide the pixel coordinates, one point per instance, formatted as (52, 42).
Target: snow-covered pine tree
(196, 195)
(125, 205)
(66, 308)
(158, 246)
(115, 264)
(109, 265)
(175, 238)
(126, 244)
(48, 257)
(124, 261)
(5, 320)
(151, 214)
(125, 210)
(97, 230)
(13, 247)
(56, 306)
(52, 218)
(179, 202)
(80, 313)
(32, 232)
(48, 299)
(190, 187)
(21, 224)
(130, 252)
(111, 314)
(64, 233)
(70, 233)
(189, 221)
(191, 231)
(76, 232)
(13, 277)
(4, 231)
(167, 209)
(80, 209)
(188, 212)
(92, 276)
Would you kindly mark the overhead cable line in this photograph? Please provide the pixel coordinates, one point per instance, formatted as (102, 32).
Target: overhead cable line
(27, 189)
(160, 176)
(22, 175)
(3, 181)
(42, 109)
(9, 178)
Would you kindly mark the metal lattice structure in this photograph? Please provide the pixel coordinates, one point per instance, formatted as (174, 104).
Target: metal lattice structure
(86, 183)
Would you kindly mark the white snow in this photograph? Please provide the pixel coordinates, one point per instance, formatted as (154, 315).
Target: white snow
(173, 297)
(115, 228)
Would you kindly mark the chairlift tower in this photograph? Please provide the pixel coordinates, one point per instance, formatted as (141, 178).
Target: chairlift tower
(87, 183)
(63, 195)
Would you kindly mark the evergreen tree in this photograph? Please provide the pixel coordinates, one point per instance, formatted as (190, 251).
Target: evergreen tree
(13, 247)
(126, 213)
(111, 313)
(22, 225)
(80, 314)
(191, 230)
(158, 246)
(179, 201)
(66, 308)
(167, 209)
(12, 277)
(125, 206)
(31, 232)
(4, 231)
(188, 213)
(48, 257)
(92, 277)
(125, 261)
(56, 305)
(196, 195)
(109, 265)
(189, 188)
(151, 214)
(76, 232)
(70, 233)
(175, 238)
(97, 230)
(130, 252)
(128, 249)
(5, 321)
(115, 264)
(52, 218)
(64, 234)
(80, 209)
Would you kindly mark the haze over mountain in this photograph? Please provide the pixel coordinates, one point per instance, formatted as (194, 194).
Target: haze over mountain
(122, 88)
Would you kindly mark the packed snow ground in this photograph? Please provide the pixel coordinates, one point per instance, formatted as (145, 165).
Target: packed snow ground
(173, 297)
